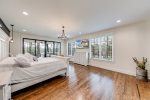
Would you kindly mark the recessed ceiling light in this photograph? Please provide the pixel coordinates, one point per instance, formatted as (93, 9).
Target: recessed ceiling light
(118, 21)
(25, 13)
(24, 30)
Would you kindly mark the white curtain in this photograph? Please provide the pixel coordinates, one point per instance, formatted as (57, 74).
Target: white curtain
(4, 45)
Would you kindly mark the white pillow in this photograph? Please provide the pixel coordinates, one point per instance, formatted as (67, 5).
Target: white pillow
(19, 55)
(22, 61)
(29, 56)
(8, 62)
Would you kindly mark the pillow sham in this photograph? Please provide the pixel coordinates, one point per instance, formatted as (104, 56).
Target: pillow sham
(8, 64)
(29, 56)
(20, 55)
(8, 60)
(22, 62)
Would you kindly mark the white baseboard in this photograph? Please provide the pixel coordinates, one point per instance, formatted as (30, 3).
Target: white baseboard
(118, 70)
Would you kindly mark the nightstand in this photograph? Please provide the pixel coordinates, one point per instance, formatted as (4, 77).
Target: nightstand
(5, 85)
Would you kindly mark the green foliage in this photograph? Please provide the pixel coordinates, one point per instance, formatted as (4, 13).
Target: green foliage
(141, 64)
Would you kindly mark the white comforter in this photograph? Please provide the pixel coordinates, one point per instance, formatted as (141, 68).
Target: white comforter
(43, 67)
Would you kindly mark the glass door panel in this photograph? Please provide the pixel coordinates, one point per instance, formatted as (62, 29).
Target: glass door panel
(29, 46)
(40, 48)
(73, 48)
(49, 49)
(57, 48)
(69, 49)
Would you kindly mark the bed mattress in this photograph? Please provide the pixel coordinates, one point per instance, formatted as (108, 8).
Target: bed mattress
(44, 66)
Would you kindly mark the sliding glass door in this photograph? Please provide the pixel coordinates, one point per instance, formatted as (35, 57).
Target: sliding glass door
(41, 48)
(57, 47)
(49, 49)
(29, 46)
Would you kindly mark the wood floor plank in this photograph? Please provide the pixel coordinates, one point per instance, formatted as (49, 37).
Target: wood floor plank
(144, 90)
(87, 83)
(131, 90)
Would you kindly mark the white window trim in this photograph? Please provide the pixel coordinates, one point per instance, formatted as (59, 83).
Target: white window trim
(68, 48)
(4, 43)
(100, 59)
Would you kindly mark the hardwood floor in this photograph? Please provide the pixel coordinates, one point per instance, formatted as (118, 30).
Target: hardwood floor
(87, 83)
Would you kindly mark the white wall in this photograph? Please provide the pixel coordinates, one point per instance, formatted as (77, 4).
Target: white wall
(16, 46)
(129, 41)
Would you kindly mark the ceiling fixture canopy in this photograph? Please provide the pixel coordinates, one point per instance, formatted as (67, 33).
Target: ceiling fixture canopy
(63, 36)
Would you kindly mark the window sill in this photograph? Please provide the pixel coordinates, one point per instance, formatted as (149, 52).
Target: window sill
(70, 56)
(102, 60)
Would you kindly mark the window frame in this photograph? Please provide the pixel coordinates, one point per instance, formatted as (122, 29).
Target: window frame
(100, 57)
(54, 46)
(70, 48)
(4, 45)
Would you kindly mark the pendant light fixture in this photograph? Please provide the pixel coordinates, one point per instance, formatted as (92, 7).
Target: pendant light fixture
(62, 36)
(12, 34)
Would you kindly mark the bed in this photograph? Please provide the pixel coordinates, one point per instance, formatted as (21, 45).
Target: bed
(41, 70)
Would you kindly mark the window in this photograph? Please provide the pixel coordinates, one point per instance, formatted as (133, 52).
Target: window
(57, 47)
(71, 48)
(95, 48)
(4, 45)
(101, 48)
(29, 46)
(49, 49)
(41, 48)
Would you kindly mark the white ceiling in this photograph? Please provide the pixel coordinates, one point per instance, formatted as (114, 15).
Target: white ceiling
(47, 16)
